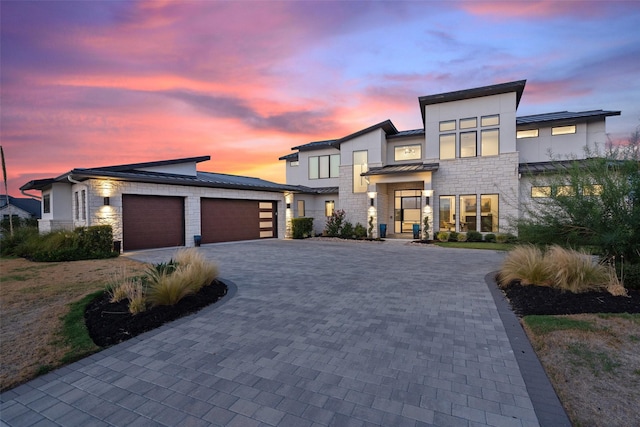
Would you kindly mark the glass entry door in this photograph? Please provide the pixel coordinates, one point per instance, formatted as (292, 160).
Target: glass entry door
(407, 210)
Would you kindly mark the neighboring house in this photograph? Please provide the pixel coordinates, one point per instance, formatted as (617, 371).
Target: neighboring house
(22, 208)
(163, 204)
(468, 168)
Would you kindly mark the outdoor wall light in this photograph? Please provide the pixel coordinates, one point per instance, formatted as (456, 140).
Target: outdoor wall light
(106, 201)
(427, 196)
(288, 205)
(372, 195)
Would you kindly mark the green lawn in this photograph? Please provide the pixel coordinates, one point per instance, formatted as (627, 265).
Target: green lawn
(477, 245)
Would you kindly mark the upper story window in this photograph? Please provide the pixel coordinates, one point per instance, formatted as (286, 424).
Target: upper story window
(46, 203)
(469, 123)
(408, 152)
(563, 130)
(490, 142)
(294, 163)
(448, 146)
(468, 144)
(321, 167)
(493, 120)
(529, 133)
(360, 159)
(447, 125)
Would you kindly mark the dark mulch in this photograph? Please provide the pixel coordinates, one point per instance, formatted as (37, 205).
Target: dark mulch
(110, 323)
(527, 300)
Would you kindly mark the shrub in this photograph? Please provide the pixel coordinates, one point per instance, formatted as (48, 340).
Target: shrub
(347, 231)
(301, 228)
(334, 223)
(501, 238)
(15, 245)
(576, 271)
(97, 239)
(462, 237)
(359, 231)
(442, 236)
(490, 238)
(474, 236)
(631, 276)
(453, 236)
(525, 264)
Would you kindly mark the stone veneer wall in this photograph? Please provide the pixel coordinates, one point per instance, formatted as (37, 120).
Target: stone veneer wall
(480, 175)
(354, 204)
(112, 214)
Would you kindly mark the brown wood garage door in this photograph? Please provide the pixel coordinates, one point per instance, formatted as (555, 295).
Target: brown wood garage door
(227, 220)
(152, 222)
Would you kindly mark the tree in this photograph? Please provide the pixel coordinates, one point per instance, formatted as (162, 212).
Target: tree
(593, 203)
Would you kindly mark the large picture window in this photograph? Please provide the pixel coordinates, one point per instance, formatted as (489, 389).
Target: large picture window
(489, 213)
(468, 144)
(360, 159)
(448, 146)
(447, 213)
(408, 152)
(468, 213)
(490, 142)
(322, 167)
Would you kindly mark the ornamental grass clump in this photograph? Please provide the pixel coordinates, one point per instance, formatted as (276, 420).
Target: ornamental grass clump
(576, 271)
(525, 264)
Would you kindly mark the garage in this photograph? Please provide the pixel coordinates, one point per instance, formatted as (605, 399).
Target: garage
(152, 222)
(228, 220)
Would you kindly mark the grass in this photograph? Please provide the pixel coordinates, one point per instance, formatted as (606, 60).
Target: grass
(525, 264)
(541, 325)
(477, 245)
(580, 355)
(74, 332)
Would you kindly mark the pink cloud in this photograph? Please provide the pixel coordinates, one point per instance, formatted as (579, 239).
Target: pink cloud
(541, 8)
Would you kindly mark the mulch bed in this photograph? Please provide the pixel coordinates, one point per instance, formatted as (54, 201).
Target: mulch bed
(531, 299)
(111, 323)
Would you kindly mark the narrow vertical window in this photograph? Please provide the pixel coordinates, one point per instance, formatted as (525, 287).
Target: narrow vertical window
(300, 208)
(489, 213)
(448, 146)
(468, 144)
(490, 142)
(329, 207)
(313, 167)
(84, 204)
(46, 203)
(335, 166)
(76, 201)
(468, 213)
(359, 167)
(447, 213)
(324, 167)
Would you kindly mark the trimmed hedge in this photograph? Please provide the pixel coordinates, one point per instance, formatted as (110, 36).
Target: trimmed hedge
(301, 228)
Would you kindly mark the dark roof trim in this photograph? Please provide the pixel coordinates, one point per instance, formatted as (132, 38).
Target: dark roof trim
(539, 168)
(498, 89)
(403, 168)
(289, 157)
(317, 190)
(563, 117)
(153, 164)
(407, 134)
(387, 126)
(37, 184)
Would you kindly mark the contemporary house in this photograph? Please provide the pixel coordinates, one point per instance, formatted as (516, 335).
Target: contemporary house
(468, 168)
(163, 204)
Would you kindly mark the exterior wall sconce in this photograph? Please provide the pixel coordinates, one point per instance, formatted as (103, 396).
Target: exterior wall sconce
(106, 201)
(372, 195)
(288, 205)
(427, 197)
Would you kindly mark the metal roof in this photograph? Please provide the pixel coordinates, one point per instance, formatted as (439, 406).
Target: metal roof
(516, 86)
(568, 117)
(316, 145)
(405, 168)
(407, 134)
(290, 157)
(32, 206)
(538, 168)
(387, 126)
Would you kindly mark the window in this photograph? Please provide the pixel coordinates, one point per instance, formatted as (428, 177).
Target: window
(76, 199)
(539, 192)
(84, 204)
(469, 123)
(329, 207)
(468, 213)
(592, 190)
(300, 208)
(565, 191)
(563, 130)
(447, 126)
(489, 213)
(46, 203)
(468, 144)
(529, 133)
(321, 167)
(359, 167)
(447, 213)
(448, 146)
(408, 152)
(490, 142)
(490, 120)
(294, 163)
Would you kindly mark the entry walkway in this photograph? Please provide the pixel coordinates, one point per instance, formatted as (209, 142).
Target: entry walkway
(318, 333)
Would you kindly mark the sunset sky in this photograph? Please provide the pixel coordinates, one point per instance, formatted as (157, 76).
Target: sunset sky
(96, 83)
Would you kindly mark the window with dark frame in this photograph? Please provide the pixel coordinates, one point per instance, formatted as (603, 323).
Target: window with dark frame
(329, 207)
(322, 167)
(46, 203)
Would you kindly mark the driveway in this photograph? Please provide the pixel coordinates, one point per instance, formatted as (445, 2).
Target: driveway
(318, 333)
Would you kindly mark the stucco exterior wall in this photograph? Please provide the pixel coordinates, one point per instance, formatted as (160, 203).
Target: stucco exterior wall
(547, 147)
(300, 174)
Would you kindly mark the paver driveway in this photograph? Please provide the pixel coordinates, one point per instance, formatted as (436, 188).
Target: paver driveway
(318, 333)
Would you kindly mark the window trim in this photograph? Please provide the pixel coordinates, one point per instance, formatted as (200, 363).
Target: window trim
(475, 125)
(522, 134)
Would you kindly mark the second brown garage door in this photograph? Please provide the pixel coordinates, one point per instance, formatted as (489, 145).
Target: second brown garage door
(228, 220)
(152, 221)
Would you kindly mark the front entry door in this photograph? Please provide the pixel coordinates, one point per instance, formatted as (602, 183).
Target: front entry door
(407, 210)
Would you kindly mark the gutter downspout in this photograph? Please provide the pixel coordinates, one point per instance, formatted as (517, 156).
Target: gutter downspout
(33, 196)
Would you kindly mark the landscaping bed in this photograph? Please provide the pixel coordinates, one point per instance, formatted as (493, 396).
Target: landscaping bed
(109, 323)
